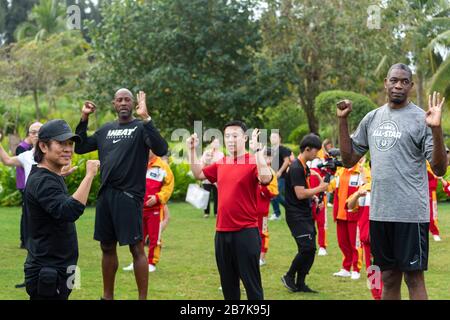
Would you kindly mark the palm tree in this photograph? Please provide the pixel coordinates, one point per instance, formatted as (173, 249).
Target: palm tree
(429, 29)
(45, 18)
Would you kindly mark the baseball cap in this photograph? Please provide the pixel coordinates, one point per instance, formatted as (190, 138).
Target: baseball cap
(58, 130)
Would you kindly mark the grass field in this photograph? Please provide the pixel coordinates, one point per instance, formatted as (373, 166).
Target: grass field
(188, 271)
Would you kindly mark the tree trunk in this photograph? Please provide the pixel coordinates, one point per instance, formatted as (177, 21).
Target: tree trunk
(311, 117)
(36, 105)
(419, 89)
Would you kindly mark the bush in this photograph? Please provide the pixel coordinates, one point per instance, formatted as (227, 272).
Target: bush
(183, 178)
(325, 105)
(9, 195)
(286, 117)
(298, 133)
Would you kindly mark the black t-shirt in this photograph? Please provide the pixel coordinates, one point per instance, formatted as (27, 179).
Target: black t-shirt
(297, 209)
(50, 214)
(279, 154)
(123, 151)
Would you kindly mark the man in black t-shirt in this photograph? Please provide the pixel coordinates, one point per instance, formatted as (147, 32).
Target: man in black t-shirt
(299, 213)
(50, 213)
(280, 164)
(123, 147)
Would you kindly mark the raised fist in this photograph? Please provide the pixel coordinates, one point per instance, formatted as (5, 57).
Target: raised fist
(344, 108)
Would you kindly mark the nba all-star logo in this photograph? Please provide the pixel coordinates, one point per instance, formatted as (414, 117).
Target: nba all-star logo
(386, 135)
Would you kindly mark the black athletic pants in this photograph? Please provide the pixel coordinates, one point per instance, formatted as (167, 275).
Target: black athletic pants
(212, 193)
(304, 233)
(237, 257)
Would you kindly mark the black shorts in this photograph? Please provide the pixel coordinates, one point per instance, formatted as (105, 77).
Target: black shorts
(118, 217)
(399, 246)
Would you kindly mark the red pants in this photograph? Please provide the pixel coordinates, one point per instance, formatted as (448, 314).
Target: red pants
(152, 229)
(347, 240)
(375, 283)
(264, 232)
(321, 221)
(434, 229)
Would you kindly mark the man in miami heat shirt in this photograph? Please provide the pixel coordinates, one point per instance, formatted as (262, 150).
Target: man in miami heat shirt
(400, 137)
(123, 146)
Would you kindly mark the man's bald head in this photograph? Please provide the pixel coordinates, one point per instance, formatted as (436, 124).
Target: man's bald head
(124, 91)
(32, 132)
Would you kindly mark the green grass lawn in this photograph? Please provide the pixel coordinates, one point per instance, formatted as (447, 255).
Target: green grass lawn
(188, 271)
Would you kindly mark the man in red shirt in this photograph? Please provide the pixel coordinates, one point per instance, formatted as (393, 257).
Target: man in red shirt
(237, 240)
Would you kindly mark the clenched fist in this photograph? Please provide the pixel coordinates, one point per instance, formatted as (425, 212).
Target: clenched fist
(344, 108)
(92, 167)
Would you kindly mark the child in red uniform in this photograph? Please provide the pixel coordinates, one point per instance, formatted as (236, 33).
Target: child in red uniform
(432, 187)
(159, 188)
(360, 200)
(347, 182)
(319, 210)
(265, 194)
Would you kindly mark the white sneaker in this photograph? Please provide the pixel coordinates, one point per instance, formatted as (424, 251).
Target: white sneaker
(274, 218)
(329, 205)
(262, 262)
(151, 268)
(437, 238)
(322, 252)
(342, 273)
(355, 275)
(129, 268)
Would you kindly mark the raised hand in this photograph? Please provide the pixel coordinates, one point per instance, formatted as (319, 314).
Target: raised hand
(344, 108)
(141, 108)
(92, 167)
(434, 113)
(254, 144)
(88, 108)
(192, 142)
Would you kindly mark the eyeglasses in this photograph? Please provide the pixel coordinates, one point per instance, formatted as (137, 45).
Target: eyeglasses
(34, 133)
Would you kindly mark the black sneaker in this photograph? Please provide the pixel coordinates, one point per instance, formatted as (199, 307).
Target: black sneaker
(20, 285)
(305, 288)
(289, 282)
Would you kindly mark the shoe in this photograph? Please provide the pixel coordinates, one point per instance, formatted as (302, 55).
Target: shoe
(437, 238)
(289, 282)
(20, 285)
(274, 217)
(329, 205)
(151, 268)
(355, 275)
(305, 288)
(206, 215)
(342, 273)
(262, 262)
(129, 268)
(322, 252)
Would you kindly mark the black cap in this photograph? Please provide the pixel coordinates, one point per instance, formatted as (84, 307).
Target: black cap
(58, 130)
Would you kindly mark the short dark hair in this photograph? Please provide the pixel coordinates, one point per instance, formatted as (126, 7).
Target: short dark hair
(312, 141)
(38, 154)
(236, 123)
(401, 66)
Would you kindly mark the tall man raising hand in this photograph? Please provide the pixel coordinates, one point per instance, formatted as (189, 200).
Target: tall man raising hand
(123, 147)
